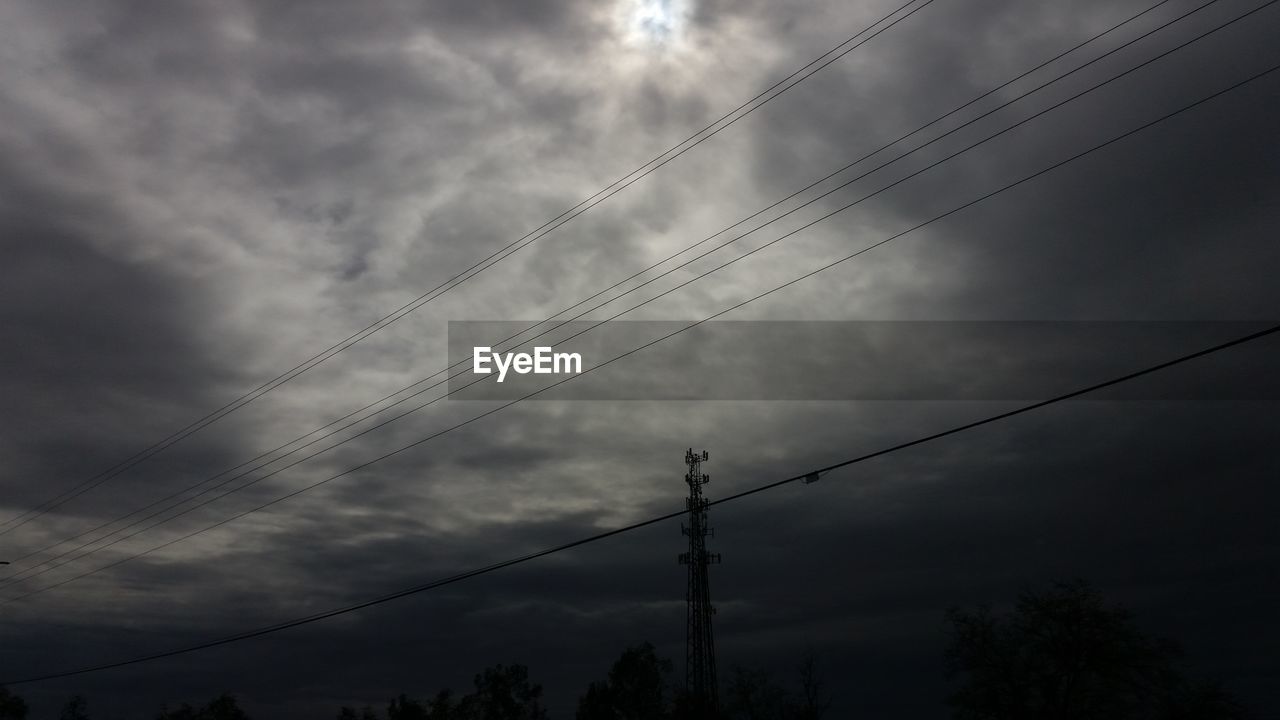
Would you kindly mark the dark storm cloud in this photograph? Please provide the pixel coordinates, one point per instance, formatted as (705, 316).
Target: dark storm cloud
(196, 197)
(989, 526)
(91, 337)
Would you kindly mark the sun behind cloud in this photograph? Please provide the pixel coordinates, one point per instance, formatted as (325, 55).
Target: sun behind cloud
(653, 23)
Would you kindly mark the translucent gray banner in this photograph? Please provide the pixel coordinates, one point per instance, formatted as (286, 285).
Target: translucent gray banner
(891, 360)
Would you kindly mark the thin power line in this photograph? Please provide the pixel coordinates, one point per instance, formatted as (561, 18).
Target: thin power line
(758, 213)
(651, 521)
(839, 261)
(617, 186)
(19, 576)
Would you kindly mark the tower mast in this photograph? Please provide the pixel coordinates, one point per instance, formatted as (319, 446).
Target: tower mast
(700, 647)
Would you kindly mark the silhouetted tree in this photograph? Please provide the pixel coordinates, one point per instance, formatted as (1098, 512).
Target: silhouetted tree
(365, 713)
(685, 707)
(182, 712)
(75, 709)
(635, 690)
(12, 707)
(223, 707)
(441, 707)
(405, 708)
(1205, 701)
(1064, 654)
(597, 703)
(813, 702)
(751, 694)
(502, 693)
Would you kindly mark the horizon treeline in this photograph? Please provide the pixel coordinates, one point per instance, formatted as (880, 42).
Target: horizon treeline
(1058, 653)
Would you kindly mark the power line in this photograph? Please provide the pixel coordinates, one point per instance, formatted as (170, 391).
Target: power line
(449, 429)
(654, 520)
(615, 285)
(665, 337)
(533, 236)
(19, 577)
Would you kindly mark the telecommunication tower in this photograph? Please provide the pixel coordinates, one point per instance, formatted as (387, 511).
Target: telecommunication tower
(700, 647)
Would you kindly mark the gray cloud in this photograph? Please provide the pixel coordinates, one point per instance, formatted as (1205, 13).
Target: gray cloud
(194, 198)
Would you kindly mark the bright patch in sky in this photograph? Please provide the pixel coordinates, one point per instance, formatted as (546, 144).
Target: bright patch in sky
(655, 22)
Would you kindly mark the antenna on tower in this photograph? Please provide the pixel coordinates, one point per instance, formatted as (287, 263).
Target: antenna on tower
(700, 646)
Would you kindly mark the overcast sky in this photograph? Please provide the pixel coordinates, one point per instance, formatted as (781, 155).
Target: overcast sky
(195, 197)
